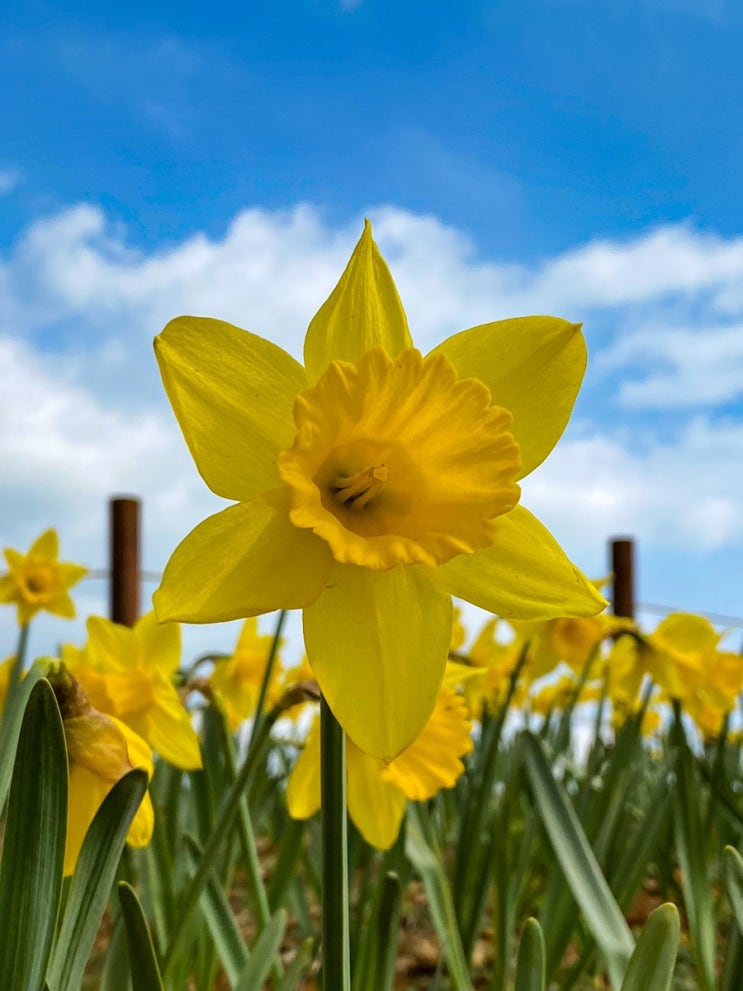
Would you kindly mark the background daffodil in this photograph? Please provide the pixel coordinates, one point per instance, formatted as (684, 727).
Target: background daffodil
(370, 486)
(100, 751)
(128, 673)
(377, 792)
(37, 580)
(236, 681)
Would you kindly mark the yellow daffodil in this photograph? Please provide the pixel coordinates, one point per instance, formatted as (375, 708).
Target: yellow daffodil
(378, 792)
(560, 693)
(370, 486)
(682, 656)
(128, 673)
(100, 751)
(37, 580)
(236, 681)
(485, 680)
(568, 640)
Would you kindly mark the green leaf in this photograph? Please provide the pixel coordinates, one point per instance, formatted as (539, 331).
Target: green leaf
(91, 884)
(33, 852)
(263, 953)
(222, 828)
(732, 876)
(427, 862)
(530, 966)
(388, 931)
(290, 980)
(12, 717)
(579, 864)
(142, 960)
(218, 915)
(691, 848)
(651, 965)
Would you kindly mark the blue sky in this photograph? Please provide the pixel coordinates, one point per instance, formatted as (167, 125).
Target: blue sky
(583, 158)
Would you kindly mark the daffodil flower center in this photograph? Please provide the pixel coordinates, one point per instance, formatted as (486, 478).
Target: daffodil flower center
(38, 580)
(397, 461)
(357, 490)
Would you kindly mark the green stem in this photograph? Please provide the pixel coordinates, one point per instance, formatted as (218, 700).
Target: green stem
(258, 717)
(336, 963)
(16, 668)
(228, 811)
(247, 840)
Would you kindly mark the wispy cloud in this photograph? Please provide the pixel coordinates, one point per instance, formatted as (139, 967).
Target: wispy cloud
(10, 178)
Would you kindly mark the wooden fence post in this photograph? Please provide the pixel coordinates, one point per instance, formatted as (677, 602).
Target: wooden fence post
(124, 560)
(623, 569)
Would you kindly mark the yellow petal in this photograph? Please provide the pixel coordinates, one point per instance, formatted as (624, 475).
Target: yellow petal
(303, 787)
(524, 575)
(377, 642)
(167, 727)
(247, 560)
(363, 312)
(112, 648)
(433, 760)
(61, 605)
(47, 545)
(686, 632)
(533, 367)
(232, 393)
(375, 805)
(69, 574)
(86, 792)
(143, 824)
(160, 643)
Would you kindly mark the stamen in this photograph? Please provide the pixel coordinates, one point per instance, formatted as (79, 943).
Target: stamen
(359, 489)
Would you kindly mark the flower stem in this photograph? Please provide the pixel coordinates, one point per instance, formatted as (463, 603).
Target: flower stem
(336, 962)
(16, 669)
(258, 717)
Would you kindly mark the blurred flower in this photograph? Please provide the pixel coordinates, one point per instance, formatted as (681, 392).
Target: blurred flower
(567, 640)
(682, 656)
(377, 793)
(38, 581)
(560, 693)
(485, 680)
(100, 751)
(128, 673)
(236, 681)
(370, 487)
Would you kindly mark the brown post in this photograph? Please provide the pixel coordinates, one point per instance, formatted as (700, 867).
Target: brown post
(124, 551)
(622, 567)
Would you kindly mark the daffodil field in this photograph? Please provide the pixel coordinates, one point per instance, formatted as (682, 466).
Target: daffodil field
(547, 796)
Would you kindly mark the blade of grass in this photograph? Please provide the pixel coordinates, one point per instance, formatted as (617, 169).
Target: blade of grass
(33, 849)
(91, 884)
(530, 965)
(142, 959)
(651, 965)
(10, 727)
(579, 864)
(427, 861)
(263, 954)
(692, 855)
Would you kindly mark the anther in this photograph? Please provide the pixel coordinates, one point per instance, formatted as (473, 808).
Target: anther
(355, 491)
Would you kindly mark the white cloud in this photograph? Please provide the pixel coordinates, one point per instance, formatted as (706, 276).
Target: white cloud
(685, 493)
(678, 366)
(83, 415)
